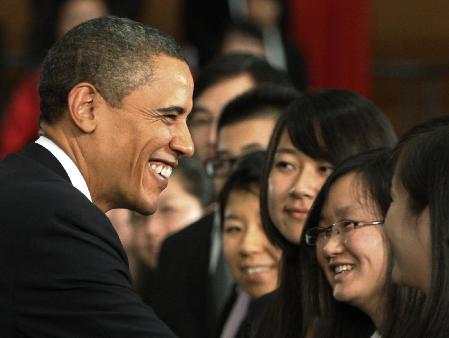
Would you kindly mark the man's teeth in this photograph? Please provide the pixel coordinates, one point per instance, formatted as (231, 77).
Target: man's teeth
(341, 268)
(252, 271)
(162, 170)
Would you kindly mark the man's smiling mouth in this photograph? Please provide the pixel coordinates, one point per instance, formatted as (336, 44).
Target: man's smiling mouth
(161, 169)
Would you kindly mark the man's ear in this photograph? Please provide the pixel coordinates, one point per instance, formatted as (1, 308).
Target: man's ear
(83, 106)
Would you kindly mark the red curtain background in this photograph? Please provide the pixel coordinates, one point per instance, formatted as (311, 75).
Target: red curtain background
(335, 36)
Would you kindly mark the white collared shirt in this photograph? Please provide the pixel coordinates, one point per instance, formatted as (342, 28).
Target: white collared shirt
(69, 166)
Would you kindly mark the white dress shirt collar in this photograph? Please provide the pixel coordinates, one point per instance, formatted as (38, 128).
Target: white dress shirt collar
(69, 166)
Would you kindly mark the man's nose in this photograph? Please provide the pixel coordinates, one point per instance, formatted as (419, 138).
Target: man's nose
(182, 142)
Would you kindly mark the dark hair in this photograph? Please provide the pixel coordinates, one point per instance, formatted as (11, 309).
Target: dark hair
(422, 166)
(328, 125)
(245, 177)
(226, 66)
(261, 101)
(113, 54)
(374, 171)
(195, 180)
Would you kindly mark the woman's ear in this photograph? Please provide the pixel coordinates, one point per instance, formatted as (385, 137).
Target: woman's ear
(82, 104)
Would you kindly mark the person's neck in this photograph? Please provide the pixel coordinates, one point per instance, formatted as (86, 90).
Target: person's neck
(68, 138)
(65, 138)
(375, 310)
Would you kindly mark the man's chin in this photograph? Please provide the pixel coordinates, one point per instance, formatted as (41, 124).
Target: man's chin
(145, 208)
(145, 211)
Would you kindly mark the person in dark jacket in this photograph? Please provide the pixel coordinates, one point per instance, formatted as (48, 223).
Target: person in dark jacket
(115, 96)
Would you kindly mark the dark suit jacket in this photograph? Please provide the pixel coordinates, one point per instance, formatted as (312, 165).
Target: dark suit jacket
(63, 271)
(257, 312)
(181, 297)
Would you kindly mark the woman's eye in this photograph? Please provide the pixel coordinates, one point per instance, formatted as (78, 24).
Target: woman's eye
(284, 165)
(349, 225)
(231, 229)
(325, 232)
(357, 224)
(326, 170)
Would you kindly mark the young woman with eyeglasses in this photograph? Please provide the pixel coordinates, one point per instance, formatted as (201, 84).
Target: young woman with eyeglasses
(345, 288)
(318, 131)
(417, 224)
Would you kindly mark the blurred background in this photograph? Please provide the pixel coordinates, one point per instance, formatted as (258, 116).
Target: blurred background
(394, 52)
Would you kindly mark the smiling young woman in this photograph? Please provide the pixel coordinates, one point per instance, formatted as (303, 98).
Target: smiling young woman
(345, 283)
(252, 259)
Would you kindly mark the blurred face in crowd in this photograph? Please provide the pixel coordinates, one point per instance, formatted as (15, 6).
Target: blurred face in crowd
(353, 256)
(237, 139)
(136, 146)
(235, 42)
(410, 239)
(74, 12)
(266, 13)
(252, 259)
(295, 180)
(207, 109)
(177, 209)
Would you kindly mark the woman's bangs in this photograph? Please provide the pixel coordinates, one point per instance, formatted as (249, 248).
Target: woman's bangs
(307, 136)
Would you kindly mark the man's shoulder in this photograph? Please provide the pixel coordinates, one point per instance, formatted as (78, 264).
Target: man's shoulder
(32, 191)
(35, 184)
(18, 171)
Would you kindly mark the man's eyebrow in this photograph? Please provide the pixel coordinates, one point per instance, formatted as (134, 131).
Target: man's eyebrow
(171, 109)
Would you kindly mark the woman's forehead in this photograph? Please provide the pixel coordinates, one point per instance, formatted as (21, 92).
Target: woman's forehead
(347, 196)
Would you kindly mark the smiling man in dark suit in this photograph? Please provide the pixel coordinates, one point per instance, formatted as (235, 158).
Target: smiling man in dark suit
(115, 96)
